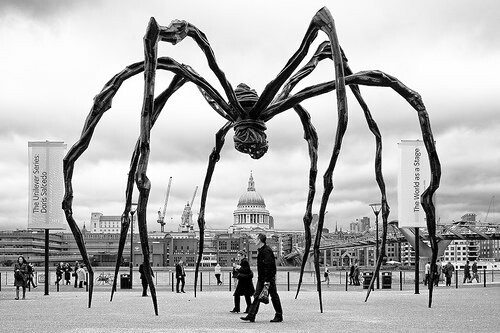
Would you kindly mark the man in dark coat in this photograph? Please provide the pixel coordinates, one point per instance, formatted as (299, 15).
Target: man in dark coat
(144, 281)
(266, 268)
(245, 285)
(179, 275)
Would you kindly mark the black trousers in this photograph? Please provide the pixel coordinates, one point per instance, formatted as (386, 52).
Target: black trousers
(180, 279)
(448, 280)
(248, 300)
(144, 287)
(273, 293)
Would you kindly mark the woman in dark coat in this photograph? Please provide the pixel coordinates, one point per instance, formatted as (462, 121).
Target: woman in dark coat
(21, 272)
(245, 285)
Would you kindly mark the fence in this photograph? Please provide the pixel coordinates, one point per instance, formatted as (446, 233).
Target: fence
(287, 278)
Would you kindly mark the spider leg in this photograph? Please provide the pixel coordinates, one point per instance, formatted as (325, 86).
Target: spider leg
(311, 137)
(102, 102)
(323, 21)
(159, 103)
(381, 79)
(212, 160)
(177, 31)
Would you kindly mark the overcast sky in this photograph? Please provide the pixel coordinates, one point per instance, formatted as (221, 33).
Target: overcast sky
(55, 56)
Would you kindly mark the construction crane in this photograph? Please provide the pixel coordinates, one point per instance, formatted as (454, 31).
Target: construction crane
(492, 203)
(194, 194)
(161, 214)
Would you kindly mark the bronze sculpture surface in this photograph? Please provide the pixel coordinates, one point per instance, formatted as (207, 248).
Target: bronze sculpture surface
(247, 113)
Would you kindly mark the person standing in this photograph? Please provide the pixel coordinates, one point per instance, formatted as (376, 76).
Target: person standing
(217, 272)
(21, 276)
(180, 276)
(67, 274)
(80, 272)
(467, 272)
(439, 270)
(31, 273)
(326, 274)
(245, 285)
(59, 272)
(144, 280)
(75, 274)
(351, 274)
(448, 270)
(266, 268)
(427, 272)
(356, 273)
(475, 275)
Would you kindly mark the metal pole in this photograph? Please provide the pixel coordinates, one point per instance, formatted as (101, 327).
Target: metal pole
(400, 280)
(417, 262)
(0, 281)
(456, 280)
(288, 279)
(484, 277)
(229, 281)
(47, 262)
(376, 248)
(201, 281)
(172, 281)
(131, 246)
(345, 281)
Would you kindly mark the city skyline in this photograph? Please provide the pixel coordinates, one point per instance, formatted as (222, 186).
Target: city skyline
(57, 56)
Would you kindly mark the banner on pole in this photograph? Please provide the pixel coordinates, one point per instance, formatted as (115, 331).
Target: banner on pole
(413, 179)
(46, 185)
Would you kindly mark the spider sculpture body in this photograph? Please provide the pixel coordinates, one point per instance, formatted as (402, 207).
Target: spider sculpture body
(248, 113)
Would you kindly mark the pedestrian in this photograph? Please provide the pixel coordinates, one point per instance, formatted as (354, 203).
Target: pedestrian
(356, 273)
(31, 273)
(80, 272)
(467, 272)
(144, 280)
(437, 273)
(245, 286)
(217, 272)
(59, 272)
(326, 274)
(21, 276)
(427, 273)
(180, 275)
(475, 275)
(351, 274)
(75, 274)
(448, 270)
(266, 269)
(67, 274)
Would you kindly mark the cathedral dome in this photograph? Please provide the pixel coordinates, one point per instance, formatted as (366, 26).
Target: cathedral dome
(251, 197)
(251, 212)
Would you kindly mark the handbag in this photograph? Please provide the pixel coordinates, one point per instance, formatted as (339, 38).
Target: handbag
(264, 295)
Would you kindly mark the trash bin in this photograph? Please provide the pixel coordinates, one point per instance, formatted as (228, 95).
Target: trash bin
(125, 281)
(367, 278)
(386, 280)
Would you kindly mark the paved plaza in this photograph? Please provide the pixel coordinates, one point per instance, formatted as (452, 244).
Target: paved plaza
(472, 309)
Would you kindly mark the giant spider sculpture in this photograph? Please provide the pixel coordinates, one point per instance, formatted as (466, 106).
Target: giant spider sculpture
(248, 113)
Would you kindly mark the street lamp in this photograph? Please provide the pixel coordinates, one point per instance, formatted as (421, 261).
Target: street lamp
(376, 207)
(132, 211)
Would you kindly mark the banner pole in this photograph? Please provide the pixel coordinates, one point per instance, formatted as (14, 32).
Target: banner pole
(47, 282)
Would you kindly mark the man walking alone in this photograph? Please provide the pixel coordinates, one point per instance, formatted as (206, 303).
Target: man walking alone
(266, 268)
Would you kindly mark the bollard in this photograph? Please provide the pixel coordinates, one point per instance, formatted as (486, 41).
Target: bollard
(346, 281)
(201, 281)
(400, 280)
(288, 279)
(86, 282)
(484, 277)
(229, 281)
(492, 276)
(172, 281)
(0, 281)
(209, 279)
(456, 280)
(156, 279)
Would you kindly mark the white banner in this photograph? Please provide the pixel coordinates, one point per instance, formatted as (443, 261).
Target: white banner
(413, 179)
(46, 185)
